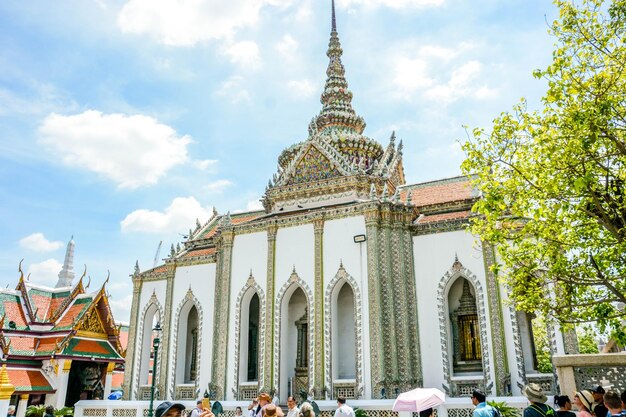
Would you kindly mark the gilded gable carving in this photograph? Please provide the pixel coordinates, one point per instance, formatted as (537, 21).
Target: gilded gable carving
(92, 322)
(313, 166)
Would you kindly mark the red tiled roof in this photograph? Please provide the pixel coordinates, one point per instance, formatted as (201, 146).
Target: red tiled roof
(29, 380)
(235, 220)
(438, 192)
(123, 336)
(73, 313)
(29, 345)
(15, 313)
(91, 348)
(444, 216)
(200, 252)
(48, 344)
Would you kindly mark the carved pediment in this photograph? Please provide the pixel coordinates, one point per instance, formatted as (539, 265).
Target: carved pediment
(92, 323)
(313, 166)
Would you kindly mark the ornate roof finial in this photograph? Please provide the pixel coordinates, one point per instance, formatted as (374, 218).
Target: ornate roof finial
(337, 111)
(373, 192)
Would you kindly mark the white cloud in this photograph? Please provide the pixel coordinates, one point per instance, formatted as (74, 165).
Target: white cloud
(178, 216)
(243, 54)
(301, 88)
(253, 205)
(459, 84)
(287, 46)
(410, 75)
(187, 22)
(46, 272)
(121, 306)
(217, 186)
(132, 151)
(394, 4)
(233, 89)
(37, 242)
(204, 164)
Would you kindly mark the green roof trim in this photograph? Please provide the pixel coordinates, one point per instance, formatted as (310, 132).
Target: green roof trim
(90, 348)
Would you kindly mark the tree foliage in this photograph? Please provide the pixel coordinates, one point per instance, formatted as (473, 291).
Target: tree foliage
(553, 180)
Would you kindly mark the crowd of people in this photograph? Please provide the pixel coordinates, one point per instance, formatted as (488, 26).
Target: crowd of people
(594, 402)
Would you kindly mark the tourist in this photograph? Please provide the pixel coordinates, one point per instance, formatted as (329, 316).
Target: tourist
(306, 410)
(292, 407)
(565, 406)
(11, 411)
(198, 410)
(343, 409)
(583, 400)
(613, 403)
(264, 400)
(271, 410)
(479, 399)
(238, 412)
(252, 407)
(49, 411)
(168, 409)
(537, 399)
(623, 398)
(598, 397)
(426, 413)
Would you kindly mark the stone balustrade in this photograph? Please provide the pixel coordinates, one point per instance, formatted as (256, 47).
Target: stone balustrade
(582, 371)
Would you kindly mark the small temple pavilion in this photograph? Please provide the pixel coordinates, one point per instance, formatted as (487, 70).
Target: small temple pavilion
(59, 345)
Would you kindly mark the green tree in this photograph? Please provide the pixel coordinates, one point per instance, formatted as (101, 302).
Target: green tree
(553, 180)
(587, 340)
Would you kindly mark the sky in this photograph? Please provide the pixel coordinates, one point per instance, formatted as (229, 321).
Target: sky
(123, 121)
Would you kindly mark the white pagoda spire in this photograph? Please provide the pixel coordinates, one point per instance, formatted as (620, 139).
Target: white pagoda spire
(66, 276)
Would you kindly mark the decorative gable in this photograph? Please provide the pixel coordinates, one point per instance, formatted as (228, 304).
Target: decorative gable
(91, 322)
(313, 166)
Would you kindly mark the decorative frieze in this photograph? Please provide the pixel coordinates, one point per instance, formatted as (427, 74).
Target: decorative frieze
(268, 377)
(319, 388)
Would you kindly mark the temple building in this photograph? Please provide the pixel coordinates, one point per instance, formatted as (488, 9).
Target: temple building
(349, 283)
(59, 345)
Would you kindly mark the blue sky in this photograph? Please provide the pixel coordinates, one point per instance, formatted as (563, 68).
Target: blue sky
(123, 121)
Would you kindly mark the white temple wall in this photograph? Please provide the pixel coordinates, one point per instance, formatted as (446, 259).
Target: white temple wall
(510, 344)
(339, 247)
(201, 280)
(249, 254)
(434, 255)
(295, 246)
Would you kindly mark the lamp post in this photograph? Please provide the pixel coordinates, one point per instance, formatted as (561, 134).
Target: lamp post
(155, 344)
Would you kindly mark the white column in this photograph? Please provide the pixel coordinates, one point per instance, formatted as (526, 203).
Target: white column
(21, 406)
(62, 381)
(108, 379)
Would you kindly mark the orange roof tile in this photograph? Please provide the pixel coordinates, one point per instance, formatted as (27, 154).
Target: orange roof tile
(23, 345)
(124, 337)
(28, 380)
(200, 252)
(444, 216)
(15, 313)
(439, 192)
(117, 380)
(73, 313)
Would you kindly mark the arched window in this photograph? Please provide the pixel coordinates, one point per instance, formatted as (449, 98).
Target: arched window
(151, 318)
(465, 328)
(343, 333)
(253, 339)
(191, 346)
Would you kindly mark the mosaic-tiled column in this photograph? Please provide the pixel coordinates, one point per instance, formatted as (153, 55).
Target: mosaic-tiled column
(387, 301)
(318, 365)
(221, 312)
(411, 292)
(494, 303)
(166, 324)
(132, 337)
(267, 380)
(373, 279)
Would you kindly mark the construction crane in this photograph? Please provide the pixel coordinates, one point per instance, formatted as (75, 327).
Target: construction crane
(156, 256)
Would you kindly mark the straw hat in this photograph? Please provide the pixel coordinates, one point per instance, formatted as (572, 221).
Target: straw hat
(534, 393)
(265, 397)
(586, 398)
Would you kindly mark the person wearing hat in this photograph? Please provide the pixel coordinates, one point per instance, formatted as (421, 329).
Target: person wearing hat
(271, 410)
(537, 399)
(264, 400)
(252, 407)
(600, 409)
(583, 400)
(168, 409)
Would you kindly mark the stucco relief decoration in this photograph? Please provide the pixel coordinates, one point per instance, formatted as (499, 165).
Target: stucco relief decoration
(152, 302)
(294, 279)
(517, 344)
(251, 285)
(340, 277)
(313, 166)
(459, 271)
(189, 298)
